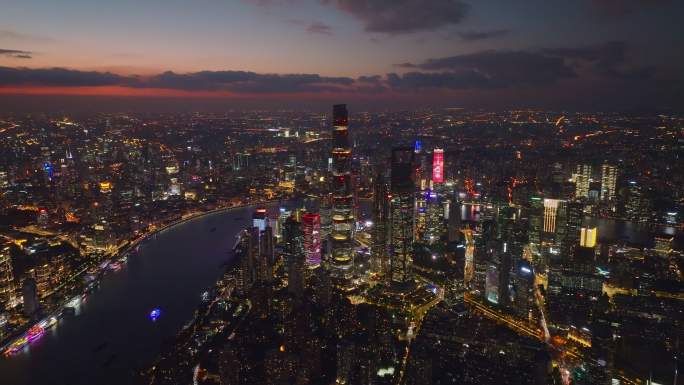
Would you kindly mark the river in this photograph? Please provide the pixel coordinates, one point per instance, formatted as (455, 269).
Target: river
(111, 335)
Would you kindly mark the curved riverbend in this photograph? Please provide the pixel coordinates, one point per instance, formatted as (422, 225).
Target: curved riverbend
(111, 335)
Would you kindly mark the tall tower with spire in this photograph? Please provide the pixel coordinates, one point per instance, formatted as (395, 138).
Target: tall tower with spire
(341, 235)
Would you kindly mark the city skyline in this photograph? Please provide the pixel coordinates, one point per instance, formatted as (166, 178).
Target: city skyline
(586, 55)
(281, 247)
(341, 192)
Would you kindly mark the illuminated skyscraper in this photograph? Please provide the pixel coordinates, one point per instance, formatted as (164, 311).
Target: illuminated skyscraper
(6, 279)
(554, 231)
(582, 177)
(341, 235)
(637, 207)
(283, 214)
(523, 283)
(438, 165)
(492, 283)
(536, 220)
(420, 214)
(253, 252)
(608, 181)
(311, 225)
(254, 258)
(401, 216)
(551, 207)
(242, 274)
(266, 255)
(379, 261)
(434, 226)
(260, 218)
(294, 256)
(588, 236)
(574, 215)
(325, 211)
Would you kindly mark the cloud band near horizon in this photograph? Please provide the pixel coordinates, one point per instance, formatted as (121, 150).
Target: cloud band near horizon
(484, 70)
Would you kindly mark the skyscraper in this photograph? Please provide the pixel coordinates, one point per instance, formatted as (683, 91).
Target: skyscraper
(29, 292)
(536, 219)
(6, 279)
(311, 225)
(379, 262)
(266, 256)
(259, 218)
(434, 226)
(551, 207)
(608, 180)
(492, 282)
(342, 197)
(454, 225)
(253, 253)
(582, 176)
(401, 216)
(294, 256)
(588, 236)
(523, 282)
(636, 207)
(248, 252)
(574, 217)
(438, 165)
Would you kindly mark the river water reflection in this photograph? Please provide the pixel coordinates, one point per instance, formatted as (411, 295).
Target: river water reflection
(111, 334)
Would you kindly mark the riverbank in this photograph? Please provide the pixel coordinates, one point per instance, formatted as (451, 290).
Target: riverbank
(32, 332)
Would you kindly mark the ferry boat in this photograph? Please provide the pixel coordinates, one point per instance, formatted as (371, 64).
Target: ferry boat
(155, 314)
(48, 323)
(16, 346)
(35, 333)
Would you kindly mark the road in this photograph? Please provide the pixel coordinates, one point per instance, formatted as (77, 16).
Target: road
(496, 315)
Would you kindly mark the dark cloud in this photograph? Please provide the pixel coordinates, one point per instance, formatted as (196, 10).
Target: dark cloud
(59, 77)
(617, 8)
(406, 65)
(231, 81)
(403, 16)
(370, 84)
(370, 79)
(483, 35)
(392, 16)
(504, 68)
(438, 80)
(243, 81)
(609, 60)
(319, 28)
(496, 71)
(15, 53)
(500, 69)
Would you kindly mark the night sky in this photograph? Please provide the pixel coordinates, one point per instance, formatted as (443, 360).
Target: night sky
(560, 54)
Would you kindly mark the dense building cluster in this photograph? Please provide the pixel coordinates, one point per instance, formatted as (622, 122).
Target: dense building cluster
(423, 247)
